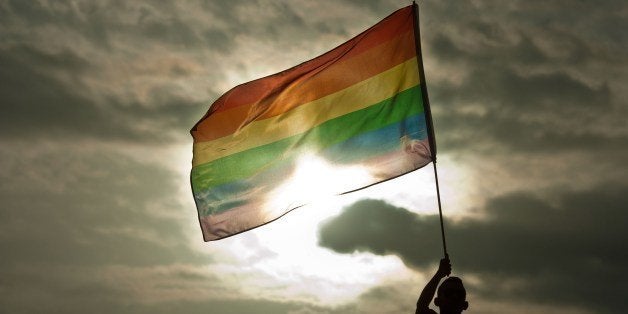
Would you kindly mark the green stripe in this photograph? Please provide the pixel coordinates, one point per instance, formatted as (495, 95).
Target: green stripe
(245, 164)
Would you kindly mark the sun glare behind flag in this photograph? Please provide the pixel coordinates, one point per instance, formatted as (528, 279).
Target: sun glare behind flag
(350, 118)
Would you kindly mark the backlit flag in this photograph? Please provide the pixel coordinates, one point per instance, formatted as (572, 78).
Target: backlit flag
(352, 117)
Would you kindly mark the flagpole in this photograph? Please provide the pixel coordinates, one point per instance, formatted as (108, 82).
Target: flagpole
(428, 116)
(440, 210)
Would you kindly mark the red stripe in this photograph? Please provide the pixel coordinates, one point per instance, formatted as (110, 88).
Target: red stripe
(336, 77)
(269, 87)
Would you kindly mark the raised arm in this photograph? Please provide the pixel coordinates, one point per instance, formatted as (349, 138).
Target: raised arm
(423, 304)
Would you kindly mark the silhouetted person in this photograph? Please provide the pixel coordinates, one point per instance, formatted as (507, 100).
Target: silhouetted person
(451, 297)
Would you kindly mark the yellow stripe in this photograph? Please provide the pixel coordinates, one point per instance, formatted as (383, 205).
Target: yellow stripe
(307, 116)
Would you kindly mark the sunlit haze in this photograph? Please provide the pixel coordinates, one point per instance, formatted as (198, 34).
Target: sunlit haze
(97, 215)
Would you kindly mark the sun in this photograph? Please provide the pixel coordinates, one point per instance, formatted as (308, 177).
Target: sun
(296, 255)
(313, 180)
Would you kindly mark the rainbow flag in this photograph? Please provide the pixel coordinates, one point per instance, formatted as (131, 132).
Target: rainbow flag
(350, 118)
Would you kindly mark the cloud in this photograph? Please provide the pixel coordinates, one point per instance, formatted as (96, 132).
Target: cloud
(67, 205)
(37, 101)
(519, 86)
(138, 71)
(83, 227)
(83, 70)
(171, 289)
(367, 225)
(86, 228)
(524, 78)
(568, 250)
(49, 91)
(236, 306)
(388, 298)
(99, 69)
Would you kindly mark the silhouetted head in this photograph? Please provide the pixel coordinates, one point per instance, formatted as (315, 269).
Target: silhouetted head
(451, 296)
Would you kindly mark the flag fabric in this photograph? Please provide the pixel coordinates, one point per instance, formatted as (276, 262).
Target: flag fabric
(350, 118)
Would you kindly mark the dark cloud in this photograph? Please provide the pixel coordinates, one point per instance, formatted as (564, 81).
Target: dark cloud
(98, 22)
(61, 290)
(66, 206)
(532, 77)
(523, 79)
(389, 298)
(34, 101)
(78, 72)
(366, 226)
(59, 86)
(44, 91)
(566, 251)
(536, 113)
(218, 40)
(78, 291)
(88, 19)
(498, 87)
(70, 214)
(163, 23)
(236, 306)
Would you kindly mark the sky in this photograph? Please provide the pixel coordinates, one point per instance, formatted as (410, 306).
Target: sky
(96, 212)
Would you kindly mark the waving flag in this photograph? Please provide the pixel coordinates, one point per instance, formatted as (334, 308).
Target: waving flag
(352, 117)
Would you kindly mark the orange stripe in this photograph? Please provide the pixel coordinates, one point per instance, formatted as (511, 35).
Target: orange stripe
(268, 88)
(330, 80)
(351, 99)
(396, 23)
